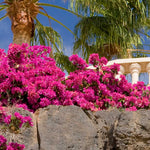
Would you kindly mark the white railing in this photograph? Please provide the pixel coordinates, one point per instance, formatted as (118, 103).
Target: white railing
(134, 66)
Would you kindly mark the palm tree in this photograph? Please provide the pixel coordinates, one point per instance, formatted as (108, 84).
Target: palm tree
(26, 27)
(110, 26)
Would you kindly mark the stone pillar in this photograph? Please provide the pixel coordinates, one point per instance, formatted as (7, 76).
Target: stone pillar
(121, 71)
(148, 70)
(135, 70)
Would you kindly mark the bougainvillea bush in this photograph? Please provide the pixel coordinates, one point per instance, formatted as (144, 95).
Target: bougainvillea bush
(100, 89)
(29, 76)
(30, 79)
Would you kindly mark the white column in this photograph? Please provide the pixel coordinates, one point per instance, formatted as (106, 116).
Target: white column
(148, 70)
(135, 70)
(121, 71)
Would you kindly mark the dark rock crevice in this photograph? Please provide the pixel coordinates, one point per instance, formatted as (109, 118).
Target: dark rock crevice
(111, 136)
(90, 115)
(38, 135)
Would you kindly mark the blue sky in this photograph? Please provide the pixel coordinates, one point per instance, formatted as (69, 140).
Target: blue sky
(66, 18)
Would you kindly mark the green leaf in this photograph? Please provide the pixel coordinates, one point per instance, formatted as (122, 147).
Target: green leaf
(2, 9)
(3, 17)
(45, 35)
(63, 62)
(4, 6)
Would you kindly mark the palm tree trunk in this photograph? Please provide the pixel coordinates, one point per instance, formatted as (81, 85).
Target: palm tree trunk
(21, 37)
(22, 32)
(22, 14)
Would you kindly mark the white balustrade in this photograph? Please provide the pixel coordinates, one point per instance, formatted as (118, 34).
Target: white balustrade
(135, 70)
(148, 70)
(133, 66)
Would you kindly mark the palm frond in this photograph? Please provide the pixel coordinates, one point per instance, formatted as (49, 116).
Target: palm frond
(44, 14)
(101, 31)
(45, 35)
(63, 62)
(116, 23)
(1, 18)
(58, 7)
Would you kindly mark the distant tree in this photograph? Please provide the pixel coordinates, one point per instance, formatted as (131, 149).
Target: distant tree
(109, 27)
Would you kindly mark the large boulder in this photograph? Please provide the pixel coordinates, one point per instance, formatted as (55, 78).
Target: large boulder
(66, 128)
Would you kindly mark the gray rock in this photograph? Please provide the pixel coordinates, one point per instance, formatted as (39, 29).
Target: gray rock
(106, 120)
(66, 128)
(132, 132)
(71, 128)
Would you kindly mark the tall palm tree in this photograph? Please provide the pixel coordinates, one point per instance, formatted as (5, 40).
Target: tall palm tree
(26, 27)
(110, 26)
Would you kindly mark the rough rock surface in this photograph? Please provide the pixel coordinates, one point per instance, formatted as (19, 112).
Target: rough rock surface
(71, 128)
(62, 128)
(132, 132)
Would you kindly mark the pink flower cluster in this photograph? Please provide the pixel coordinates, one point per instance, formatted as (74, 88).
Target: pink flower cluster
(10, 146)
(16, 120)
(99, 89)
(13, 123)
(29, 78)
(78, 62)
(96, 61)
(27, 121)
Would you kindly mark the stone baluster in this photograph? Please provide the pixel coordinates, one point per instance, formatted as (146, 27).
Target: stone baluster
(148, 70)
(121, 71)
(135, 69)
